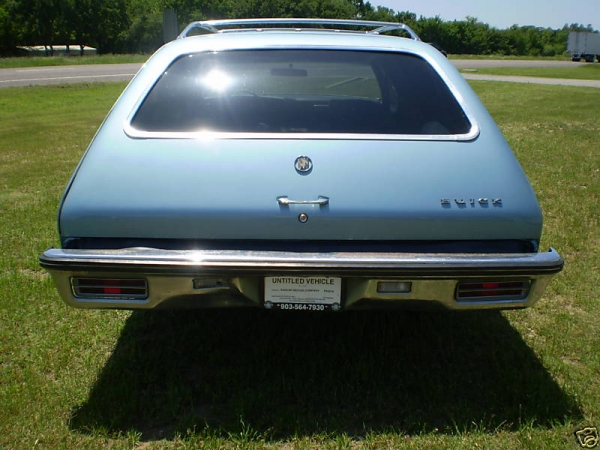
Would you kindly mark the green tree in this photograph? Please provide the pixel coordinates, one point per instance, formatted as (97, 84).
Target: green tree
(111, 21)
(136, 25)
(38, 19)
(9, 28)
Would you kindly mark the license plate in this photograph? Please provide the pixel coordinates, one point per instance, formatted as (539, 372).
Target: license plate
(303, 293)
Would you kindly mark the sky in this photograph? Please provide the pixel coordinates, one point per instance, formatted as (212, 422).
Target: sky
(505, 13)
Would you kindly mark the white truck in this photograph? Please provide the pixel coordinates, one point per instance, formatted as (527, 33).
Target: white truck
(584, 45)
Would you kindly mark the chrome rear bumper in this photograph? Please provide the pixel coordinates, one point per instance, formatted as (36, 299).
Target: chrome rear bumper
(230, 278)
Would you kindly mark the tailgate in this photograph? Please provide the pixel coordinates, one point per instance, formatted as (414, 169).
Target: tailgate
(229, 189)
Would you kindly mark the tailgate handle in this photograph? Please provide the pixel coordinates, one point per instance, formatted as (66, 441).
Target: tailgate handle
(321, 201)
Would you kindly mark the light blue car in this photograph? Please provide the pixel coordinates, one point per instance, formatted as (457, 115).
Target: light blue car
(299, 164)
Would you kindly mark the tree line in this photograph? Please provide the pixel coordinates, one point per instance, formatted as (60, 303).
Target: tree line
(135, 26)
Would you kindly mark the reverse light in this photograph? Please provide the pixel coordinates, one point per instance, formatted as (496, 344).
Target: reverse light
(210, 283)
(394, 287)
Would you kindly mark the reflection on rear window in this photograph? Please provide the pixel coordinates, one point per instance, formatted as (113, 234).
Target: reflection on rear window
(301, 91)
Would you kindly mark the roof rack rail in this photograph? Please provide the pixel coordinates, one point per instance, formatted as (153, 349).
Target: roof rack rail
(335, 25)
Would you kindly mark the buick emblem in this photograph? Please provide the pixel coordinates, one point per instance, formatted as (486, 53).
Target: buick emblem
(303, 165)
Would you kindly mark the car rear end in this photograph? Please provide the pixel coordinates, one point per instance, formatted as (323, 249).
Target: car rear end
(299, 171)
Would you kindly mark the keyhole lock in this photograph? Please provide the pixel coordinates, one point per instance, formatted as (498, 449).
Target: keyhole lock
(303, 218)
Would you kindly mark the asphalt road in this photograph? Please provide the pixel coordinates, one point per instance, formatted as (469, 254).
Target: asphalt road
(495, 63)
(33, 76)
(490, 64)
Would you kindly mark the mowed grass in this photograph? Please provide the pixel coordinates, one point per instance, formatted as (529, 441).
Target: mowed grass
(254, 379)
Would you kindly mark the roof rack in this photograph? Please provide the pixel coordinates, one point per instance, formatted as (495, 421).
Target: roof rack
(334, 25)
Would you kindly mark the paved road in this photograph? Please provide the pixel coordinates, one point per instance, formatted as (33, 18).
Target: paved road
(534, 80)
(32, 76)
(495, 63)
(490, 64)
(124, 72)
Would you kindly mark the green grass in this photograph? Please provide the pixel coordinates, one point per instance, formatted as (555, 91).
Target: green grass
(254, 379)
(40, 61)
(577, 72)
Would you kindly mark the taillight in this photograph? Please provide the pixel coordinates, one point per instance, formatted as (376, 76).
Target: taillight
(110, 288)
(493, 290)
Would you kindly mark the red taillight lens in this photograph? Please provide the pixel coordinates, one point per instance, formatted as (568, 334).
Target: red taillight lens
(124, 289)
(493, 290)
(112, 287)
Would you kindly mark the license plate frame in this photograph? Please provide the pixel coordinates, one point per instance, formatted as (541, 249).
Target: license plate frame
(302, 293)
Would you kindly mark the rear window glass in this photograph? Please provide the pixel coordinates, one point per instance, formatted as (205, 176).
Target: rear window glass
(301, 91)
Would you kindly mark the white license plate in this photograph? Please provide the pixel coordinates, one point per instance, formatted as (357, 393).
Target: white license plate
(303, 293)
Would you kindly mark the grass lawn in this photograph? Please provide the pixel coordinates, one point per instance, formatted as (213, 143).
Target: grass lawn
(254, 379)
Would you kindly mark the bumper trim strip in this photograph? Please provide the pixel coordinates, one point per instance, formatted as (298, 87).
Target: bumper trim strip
(243, 261)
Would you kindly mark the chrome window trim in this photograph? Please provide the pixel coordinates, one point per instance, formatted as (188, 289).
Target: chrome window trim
(208, 135)
(135, 133)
